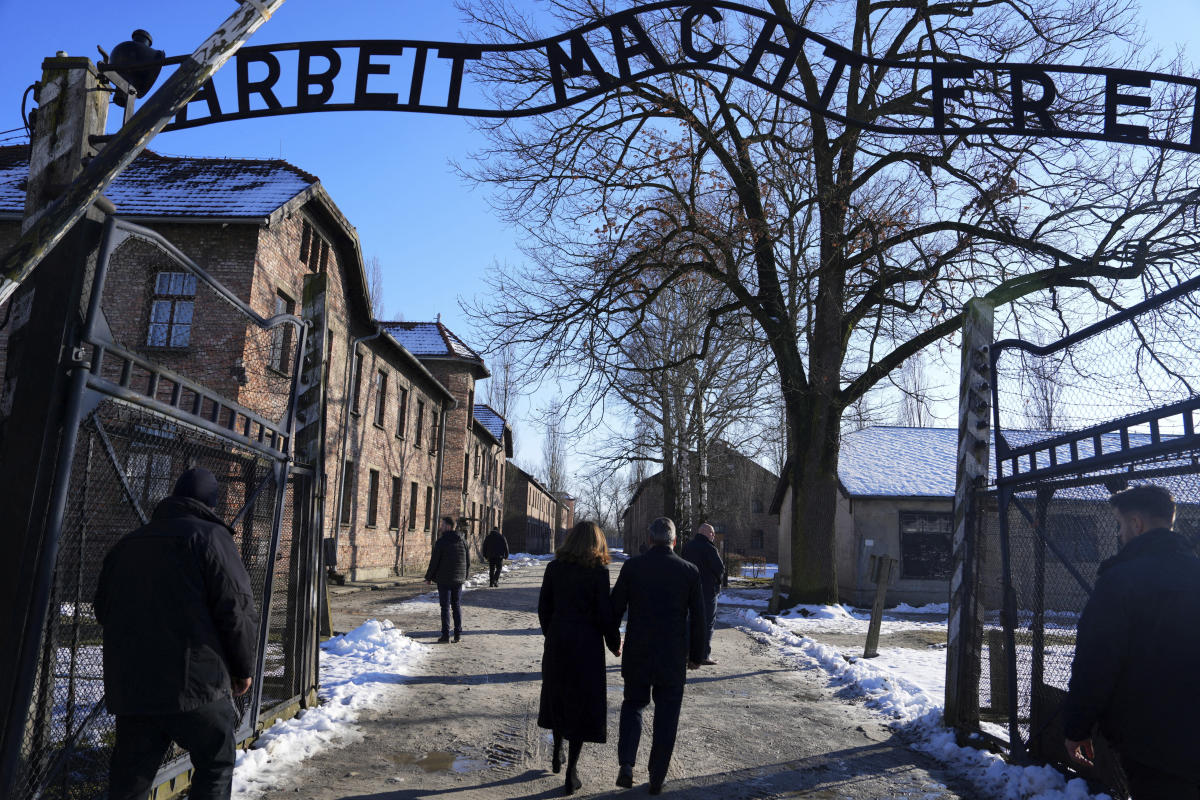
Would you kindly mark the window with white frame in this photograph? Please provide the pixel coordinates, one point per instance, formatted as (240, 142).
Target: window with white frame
(171, 310)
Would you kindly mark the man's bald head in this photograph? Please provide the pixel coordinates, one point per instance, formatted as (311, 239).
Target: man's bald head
(707, 531)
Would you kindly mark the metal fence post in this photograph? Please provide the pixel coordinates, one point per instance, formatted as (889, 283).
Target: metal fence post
(965, 626)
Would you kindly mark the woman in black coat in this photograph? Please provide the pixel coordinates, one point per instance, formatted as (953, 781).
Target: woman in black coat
(576, 620)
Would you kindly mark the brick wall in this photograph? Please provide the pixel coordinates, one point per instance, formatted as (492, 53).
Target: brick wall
(528, 513)
(484, 498)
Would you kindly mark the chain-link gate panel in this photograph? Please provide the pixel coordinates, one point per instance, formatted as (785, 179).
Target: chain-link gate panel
(1115, 404)
(148, 409)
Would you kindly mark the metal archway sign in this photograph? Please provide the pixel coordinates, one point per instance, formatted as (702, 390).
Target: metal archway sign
(957, 98)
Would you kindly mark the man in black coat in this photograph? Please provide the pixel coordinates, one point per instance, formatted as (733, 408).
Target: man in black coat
(664, 638)
(449, 566)
(1138, 651)
(180, 633)
(495, 550)
(701, 551)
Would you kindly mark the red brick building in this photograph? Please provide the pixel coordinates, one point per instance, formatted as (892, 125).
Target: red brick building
(478, 442)
(530, 513)
(739, 494)
(272, 235)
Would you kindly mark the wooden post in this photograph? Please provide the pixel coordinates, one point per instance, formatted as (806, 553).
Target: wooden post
(965, 625)
(881, 572)
(43, 331)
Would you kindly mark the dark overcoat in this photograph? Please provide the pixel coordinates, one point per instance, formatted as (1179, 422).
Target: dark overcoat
(1137, 654)
(667, 623)
(576, 620)
(495, 546)
(177, 611)
(703, 553)
(450, 561)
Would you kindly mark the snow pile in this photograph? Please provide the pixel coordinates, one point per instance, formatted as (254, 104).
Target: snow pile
(357, 669)
(915, 708)
(932, 608)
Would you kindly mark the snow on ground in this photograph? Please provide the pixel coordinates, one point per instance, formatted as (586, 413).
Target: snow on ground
(357, 669)
(759, 570)
(905, 684)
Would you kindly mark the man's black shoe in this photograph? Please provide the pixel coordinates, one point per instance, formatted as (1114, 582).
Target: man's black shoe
(457, 636)
(625, 777)
(656, 788)
(445, 639)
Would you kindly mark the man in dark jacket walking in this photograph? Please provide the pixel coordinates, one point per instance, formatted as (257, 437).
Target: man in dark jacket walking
(495, 550)
(1139, 623)
(180, 633)
(664, 638)
(449, 566)
(701, 551)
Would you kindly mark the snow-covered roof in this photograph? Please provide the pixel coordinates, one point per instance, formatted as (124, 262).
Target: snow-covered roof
(431, 340)
(178, 186)
(886, 461)
(492, 422)
(898, 462)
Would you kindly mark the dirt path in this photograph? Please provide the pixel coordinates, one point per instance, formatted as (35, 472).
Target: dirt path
(466, 727)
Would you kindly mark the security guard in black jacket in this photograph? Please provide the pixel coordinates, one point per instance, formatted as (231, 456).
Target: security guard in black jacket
(1137, 653)
(180, 635)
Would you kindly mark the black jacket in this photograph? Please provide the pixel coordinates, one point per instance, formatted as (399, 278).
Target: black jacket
(703, 553)
(177, 611)
(495, 546)
(450, 561)
(1137, 655)
(576, 619)
(667, 625)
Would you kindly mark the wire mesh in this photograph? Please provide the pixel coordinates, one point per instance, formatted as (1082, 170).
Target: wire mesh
(1143, 363)
(126, 461)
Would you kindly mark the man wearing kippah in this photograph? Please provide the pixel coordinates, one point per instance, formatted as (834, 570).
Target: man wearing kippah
(180, 636)
(665, 637)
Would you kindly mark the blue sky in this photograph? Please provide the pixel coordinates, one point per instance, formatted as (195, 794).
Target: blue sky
(389, 172)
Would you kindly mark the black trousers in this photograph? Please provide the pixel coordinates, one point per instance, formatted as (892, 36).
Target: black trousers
(450, 599)
(494, 567)
(1149, 783)
(668, 699)
(710, 611)
(142, 742)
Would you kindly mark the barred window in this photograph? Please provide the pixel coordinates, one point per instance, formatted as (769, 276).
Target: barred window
(925, 544)
(372, 498)
(171, 310)
(394, 520)
(281, 337)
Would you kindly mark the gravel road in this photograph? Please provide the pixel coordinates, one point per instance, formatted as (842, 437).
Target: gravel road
(465, 728)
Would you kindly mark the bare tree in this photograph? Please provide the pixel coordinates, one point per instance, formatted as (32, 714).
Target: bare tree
(915, 394)
(554, 449)
(850, 250)
(503, 387)
(375, 287)
(1043, 379)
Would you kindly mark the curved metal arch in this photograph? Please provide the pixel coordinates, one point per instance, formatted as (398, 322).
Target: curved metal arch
(1027, 116)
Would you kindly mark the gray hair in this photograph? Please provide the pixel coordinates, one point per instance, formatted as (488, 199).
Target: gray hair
(662, 531)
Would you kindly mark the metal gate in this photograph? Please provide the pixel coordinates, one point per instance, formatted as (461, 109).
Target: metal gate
(192, 377)
(1074, 421)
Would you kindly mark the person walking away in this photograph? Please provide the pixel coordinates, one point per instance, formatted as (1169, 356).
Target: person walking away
(495, 550)
(180, 636)
(1139, 622)
(576, 619)
(701, 550)
(663, 639)
(449, 566)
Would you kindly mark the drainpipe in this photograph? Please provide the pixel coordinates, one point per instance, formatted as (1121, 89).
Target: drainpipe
(350, 354)
(437, 484)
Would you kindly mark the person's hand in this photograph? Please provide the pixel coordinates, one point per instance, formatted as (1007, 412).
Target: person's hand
(1081, 752)
(429, 583)
(240, 686)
